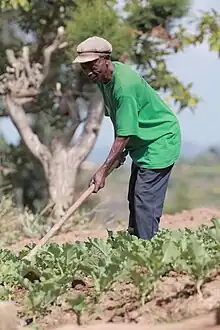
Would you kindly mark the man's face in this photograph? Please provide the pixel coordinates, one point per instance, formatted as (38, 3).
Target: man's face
(95, 70)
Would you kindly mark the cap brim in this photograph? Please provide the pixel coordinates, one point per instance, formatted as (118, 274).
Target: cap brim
(83, 58)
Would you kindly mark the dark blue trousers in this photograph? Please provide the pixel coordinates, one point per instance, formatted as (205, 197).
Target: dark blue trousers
(146, 195)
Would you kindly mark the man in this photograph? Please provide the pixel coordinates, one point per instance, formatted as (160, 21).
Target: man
(144, 127)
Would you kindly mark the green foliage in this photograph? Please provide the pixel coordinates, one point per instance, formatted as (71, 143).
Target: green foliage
(151, 51)
(20, 223)
(15, 4)
(25, 169)
(207, 30)
(210, 26)
(8, 219)
(108, 24)
(144, 16)
(181, 197)
(107, 262)
(44, 17)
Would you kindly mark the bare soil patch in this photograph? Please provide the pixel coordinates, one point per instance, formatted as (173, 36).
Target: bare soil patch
(204, 322)
(190, 219)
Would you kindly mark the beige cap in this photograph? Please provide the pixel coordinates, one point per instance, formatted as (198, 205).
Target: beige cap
(91, 49)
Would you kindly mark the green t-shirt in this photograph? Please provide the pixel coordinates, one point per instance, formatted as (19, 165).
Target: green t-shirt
(136, 110)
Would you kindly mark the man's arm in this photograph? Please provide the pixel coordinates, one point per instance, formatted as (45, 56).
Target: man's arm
(115, 152)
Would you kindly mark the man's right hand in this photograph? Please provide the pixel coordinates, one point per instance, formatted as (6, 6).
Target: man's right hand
(98, 180)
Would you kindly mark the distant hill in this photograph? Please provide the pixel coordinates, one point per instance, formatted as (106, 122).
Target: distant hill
(191, 150)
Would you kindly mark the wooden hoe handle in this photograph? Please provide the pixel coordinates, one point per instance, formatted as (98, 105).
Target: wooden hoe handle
(65, 217)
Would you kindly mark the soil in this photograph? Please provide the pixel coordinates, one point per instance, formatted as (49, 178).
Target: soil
(190, 219)
(205, 322)
(174, 300)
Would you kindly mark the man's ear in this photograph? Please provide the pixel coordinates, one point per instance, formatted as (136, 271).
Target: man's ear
(107, 60)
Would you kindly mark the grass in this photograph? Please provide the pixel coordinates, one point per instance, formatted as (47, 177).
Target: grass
(191, 186)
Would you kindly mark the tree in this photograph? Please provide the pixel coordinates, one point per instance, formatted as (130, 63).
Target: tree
(23, 82)
(20, 85)
(159, 34)
(145, 38)
(153, 22)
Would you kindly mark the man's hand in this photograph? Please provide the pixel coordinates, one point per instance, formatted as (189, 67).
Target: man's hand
(98, 180)
(116, 154)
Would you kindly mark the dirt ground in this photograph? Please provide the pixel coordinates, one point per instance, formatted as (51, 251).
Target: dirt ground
(173, 301)
(9, 321)
(204, 322)
(189, 219)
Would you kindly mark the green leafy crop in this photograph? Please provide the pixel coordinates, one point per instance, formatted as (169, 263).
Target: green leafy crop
(106, 262)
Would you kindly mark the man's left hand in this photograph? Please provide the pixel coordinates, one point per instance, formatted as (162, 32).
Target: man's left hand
(98, 180)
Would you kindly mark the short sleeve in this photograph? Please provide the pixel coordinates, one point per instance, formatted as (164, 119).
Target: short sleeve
(126, 116)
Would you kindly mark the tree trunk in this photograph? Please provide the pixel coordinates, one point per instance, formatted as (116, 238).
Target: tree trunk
(62, 181)
(61, 178)
(66, 159)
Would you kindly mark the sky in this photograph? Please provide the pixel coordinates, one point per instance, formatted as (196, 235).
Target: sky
(196, 65)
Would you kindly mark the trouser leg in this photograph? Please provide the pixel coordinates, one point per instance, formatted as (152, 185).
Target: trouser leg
(148, 200)
(131, 189)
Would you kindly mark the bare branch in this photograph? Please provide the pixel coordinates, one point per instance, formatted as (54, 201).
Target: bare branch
(11, 57)
(46, 208)
(8, 186)
(22, 80)
(57, 44)
(31, 140)
(85, 142)
(28, 110)
(68, 107)
(27, 64)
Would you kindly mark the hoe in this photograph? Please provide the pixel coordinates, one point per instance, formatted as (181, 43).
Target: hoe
(65, 217)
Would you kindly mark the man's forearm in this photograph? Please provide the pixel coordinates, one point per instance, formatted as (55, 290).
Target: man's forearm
(116, 149)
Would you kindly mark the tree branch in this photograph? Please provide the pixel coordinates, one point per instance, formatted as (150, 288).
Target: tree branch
(69, 107)
(22, 81)
(19, 85)
(57, 44)
(19, 118)
(87, 139)
(31, 110)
